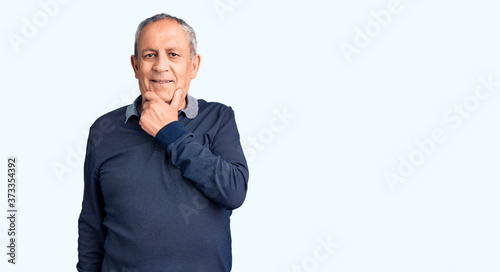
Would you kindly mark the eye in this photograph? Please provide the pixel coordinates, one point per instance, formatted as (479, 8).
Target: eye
(150, 55)
(173, 55)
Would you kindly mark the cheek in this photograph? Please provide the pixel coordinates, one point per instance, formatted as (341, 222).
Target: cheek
(182, 72)
(184, 76)
(143, 76)
(144, 68)
(143, 71)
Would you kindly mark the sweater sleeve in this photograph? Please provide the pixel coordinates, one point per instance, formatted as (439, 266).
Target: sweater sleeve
(91, 232)
(218, 170)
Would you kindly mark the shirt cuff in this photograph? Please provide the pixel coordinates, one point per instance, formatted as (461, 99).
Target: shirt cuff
(170, 133)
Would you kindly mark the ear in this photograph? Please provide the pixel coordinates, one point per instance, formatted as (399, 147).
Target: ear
(135, 65)
(195, 65)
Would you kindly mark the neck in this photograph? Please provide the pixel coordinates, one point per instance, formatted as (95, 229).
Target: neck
(184, 104)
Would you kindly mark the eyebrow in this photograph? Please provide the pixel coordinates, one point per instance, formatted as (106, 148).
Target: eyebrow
(149, 49)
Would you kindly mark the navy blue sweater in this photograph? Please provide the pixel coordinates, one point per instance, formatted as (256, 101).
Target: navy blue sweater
(161, 203)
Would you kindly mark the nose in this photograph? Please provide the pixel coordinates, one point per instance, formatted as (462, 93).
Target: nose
(161, 64)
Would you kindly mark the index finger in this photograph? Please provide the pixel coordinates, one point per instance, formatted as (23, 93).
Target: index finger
(176, 99)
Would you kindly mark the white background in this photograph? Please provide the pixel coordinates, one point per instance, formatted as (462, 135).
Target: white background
(320, 175)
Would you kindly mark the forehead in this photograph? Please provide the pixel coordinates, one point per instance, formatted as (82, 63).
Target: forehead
(163, 33)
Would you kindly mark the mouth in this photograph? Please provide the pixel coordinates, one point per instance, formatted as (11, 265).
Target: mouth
(162, 81)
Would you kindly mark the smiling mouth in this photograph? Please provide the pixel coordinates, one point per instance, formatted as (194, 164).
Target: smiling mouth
(162, 81)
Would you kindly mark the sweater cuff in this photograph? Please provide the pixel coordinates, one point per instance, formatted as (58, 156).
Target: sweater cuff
(170, 133)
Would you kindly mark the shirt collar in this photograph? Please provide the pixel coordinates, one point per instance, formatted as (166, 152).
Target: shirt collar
(191, 109)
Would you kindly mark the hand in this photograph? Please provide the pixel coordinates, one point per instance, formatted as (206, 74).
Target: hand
(157, 113)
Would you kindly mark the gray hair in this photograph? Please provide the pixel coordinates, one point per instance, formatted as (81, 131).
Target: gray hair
(191, 36)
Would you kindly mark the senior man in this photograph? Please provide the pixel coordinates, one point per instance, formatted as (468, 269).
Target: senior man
(163, 174)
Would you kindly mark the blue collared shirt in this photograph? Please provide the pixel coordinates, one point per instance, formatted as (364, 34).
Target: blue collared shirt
(161, 203)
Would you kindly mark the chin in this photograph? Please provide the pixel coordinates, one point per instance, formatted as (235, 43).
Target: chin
(165, 95)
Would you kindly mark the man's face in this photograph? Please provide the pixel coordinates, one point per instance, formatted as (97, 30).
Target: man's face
(164, 61)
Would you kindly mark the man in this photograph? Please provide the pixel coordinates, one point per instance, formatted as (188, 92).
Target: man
(162, 175)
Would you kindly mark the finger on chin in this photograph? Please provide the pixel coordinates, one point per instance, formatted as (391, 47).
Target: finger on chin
(176, 98)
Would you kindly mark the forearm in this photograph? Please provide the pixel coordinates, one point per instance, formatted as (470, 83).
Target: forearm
(221, 178)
